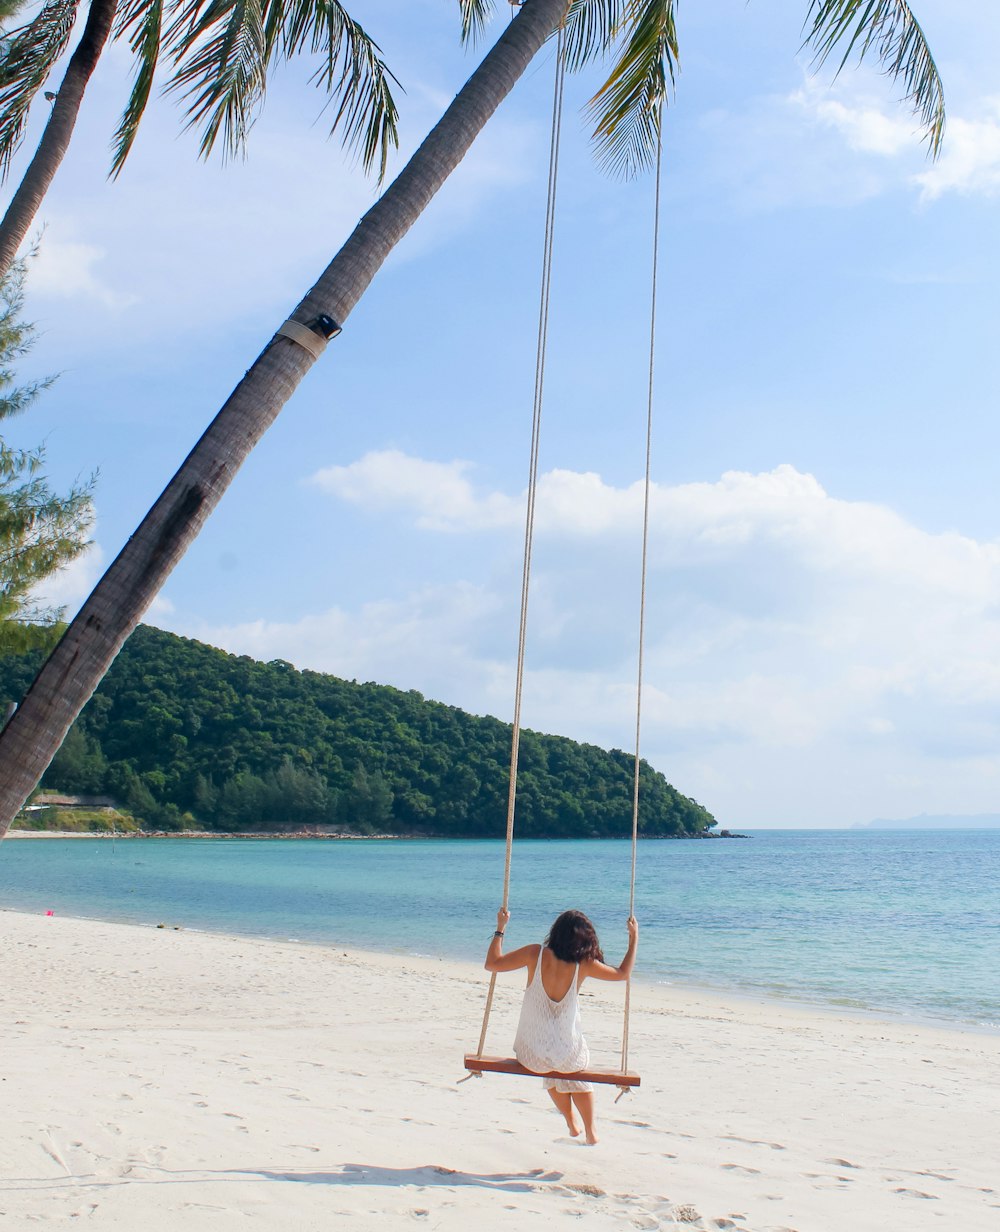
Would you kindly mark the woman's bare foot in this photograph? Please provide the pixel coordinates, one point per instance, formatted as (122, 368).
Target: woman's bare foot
(583, 1101)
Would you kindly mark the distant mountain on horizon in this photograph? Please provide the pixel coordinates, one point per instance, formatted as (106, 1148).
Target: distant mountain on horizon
(939, 821)
(187, 737)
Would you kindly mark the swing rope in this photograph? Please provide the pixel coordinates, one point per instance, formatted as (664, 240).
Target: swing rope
(529, 521)
(643, 567)
(543, 325)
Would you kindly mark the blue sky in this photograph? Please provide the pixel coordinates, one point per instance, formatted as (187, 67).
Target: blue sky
(824, 610)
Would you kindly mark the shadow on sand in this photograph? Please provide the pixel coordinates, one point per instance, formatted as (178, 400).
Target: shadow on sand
(419, 1177)
(430, 1174)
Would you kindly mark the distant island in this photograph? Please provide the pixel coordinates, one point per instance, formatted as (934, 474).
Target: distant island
(183, 737)
(932, 821)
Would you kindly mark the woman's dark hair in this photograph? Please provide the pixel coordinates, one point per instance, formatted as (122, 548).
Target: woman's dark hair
(573, 938)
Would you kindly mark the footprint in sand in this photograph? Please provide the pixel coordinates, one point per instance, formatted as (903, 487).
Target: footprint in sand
(916, 1193)
(841, 1163)
(589, 1191)
(686, 1214)
(775, 1146)
(741, 1168)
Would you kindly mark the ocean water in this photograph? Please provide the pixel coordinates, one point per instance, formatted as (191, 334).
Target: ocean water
(901, 922)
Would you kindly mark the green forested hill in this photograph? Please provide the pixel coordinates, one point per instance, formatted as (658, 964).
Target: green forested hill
(183, 734)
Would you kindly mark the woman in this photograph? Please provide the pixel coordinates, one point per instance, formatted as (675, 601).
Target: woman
(549, 1036)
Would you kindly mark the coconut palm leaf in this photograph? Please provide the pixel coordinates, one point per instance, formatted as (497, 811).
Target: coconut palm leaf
(141, 23)
(221, 68)
(27, 56)
(626, 109)
(223, 51)
(592, 26)
(475, 17)
(353, 73)
(889, 29)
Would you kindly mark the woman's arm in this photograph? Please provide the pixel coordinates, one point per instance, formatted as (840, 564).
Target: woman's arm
(603, 971)
(496, 959)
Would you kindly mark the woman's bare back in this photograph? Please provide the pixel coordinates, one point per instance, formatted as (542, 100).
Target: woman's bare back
(557, 976)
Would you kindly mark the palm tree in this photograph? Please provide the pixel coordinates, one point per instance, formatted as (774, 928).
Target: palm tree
(626, 113)
(220, 56)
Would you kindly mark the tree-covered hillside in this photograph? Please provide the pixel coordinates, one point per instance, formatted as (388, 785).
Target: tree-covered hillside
(185, 735)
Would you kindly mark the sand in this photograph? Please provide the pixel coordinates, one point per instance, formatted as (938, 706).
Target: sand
(157, 1079)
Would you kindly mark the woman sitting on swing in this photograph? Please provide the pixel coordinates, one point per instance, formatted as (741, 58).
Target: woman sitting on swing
(549, 1036)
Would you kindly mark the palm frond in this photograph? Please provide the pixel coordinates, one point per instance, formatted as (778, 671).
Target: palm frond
(353, 74)
(592, 26)
(141, 23)
(888, 29)
(218, 50)
(27, 56)
(626, 109)
(475, 18)
(223, 51)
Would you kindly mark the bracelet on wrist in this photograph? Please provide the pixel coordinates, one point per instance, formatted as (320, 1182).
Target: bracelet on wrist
(498, 933)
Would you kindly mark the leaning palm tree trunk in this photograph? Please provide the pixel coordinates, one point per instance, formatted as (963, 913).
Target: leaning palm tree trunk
(58, 131)
(77, 665)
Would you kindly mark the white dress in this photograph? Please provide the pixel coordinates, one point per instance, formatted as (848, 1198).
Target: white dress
(549, 1035)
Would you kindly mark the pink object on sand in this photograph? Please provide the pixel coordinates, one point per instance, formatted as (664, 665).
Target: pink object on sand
(50, 913)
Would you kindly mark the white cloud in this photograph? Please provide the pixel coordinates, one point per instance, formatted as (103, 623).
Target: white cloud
(160, 607)
(864, 126)
(439, 493)
(694, 522)
(66, 269)
(970, 162)
(845, 143)
(806, 656)
(73, 583)
(819, 144)
(437, 639)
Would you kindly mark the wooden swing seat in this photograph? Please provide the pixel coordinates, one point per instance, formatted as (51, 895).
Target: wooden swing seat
(510, 1065)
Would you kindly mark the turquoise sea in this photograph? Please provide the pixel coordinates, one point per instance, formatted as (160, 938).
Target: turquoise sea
(903, 922)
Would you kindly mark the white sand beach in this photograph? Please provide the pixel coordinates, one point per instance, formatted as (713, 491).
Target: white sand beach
(163, 1079)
